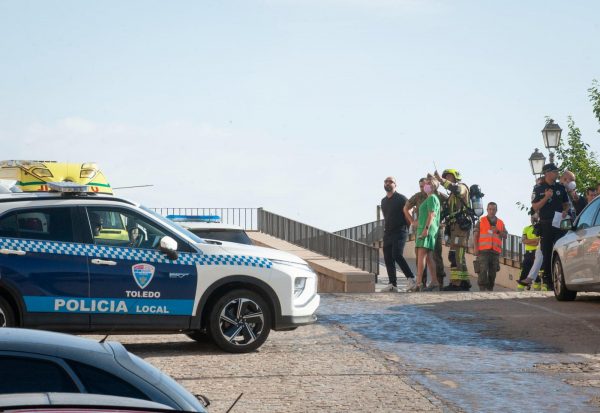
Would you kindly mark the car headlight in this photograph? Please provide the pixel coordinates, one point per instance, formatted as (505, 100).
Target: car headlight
(297, 265)
(299, 284)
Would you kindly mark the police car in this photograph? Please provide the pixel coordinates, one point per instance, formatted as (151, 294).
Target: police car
(210, 228)
(61, 270)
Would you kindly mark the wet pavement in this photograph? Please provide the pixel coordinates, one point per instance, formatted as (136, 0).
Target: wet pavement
(460, 358)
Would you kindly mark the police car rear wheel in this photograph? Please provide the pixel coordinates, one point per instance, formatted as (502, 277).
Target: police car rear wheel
(560, 289)
(240, 321)
(7, 317)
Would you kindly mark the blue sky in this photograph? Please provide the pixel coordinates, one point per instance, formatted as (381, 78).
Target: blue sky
(301, 107)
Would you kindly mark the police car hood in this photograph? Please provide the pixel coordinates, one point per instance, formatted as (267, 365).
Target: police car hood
(233, 248)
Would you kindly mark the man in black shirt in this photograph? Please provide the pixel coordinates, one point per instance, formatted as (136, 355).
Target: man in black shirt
(548, 199)
(395, 235)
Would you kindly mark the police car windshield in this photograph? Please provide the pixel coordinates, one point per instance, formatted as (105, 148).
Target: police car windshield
(173, 225)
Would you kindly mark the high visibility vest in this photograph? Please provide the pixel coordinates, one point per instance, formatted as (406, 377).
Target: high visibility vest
(490, 239)
(528, 233)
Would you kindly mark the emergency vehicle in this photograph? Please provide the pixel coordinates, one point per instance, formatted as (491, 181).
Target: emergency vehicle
(58, 273)
(34, 176)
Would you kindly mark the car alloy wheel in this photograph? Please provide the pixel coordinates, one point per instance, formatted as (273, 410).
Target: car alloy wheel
(7, 318)
(240, 321)
(560, 289)
(556, 277)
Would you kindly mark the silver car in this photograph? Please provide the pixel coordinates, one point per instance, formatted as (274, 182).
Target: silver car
(576, 257)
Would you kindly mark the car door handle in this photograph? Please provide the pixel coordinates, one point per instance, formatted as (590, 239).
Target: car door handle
(11, 252)
(103, 262)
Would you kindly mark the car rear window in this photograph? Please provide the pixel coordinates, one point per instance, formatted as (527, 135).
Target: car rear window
(98, 381)
(48, 224)
(32, 375)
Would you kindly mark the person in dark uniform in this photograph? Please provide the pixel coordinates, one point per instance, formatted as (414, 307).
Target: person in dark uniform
(548, 199)
(395, 235)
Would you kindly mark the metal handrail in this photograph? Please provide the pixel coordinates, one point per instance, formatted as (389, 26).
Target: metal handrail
(371, 233)
(243, 217)
(331, 245)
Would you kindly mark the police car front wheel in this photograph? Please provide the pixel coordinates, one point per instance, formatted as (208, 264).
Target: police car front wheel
(7, 317)
(240, 321)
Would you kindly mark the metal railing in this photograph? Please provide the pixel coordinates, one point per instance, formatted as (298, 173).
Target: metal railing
(246, 218)
(371, 233)
(334, 246)
(331, 245)
(512, 248)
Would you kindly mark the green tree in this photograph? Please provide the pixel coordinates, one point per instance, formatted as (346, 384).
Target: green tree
(574, 155)
(595, 98)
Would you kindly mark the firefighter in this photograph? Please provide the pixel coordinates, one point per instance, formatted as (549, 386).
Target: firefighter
(458, 226)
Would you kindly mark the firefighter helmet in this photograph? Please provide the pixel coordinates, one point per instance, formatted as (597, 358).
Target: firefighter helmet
(453, 172)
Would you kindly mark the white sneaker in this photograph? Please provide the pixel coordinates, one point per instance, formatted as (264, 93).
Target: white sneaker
(411, 284)
(389, 287)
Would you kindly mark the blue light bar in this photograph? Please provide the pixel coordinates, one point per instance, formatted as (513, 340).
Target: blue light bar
(68, 187)
(195, 218)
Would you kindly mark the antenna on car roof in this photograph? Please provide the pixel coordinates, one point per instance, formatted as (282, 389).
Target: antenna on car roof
(104, 339)
(133, 186)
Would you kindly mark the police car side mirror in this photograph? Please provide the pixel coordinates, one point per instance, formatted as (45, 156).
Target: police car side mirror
(169, 246)
(566, 224)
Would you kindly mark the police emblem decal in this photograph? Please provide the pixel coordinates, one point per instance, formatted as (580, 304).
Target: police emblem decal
(142, 274)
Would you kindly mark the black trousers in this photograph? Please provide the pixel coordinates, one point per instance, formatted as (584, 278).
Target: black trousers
(527, 263)
(393, 253)
(549, 235)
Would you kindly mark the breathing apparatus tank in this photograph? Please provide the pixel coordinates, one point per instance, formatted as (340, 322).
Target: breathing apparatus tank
(476, 200)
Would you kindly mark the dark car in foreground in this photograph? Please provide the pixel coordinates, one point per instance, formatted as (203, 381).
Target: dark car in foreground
(76, 402)
(33, 361)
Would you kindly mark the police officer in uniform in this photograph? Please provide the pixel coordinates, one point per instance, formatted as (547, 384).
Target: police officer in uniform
(549, 198)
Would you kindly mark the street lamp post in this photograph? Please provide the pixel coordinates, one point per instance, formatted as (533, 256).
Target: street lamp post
(551, 134)
(537, 161)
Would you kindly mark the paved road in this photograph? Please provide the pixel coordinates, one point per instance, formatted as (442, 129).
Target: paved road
(447, 351)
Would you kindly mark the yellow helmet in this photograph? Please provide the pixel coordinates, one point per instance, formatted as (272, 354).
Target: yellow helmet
(454, 172)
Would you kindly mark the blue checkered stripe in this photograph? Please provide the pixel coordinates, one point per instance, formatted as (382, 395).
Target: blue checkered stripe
(60, 248)
(233, 260)
(130, 254)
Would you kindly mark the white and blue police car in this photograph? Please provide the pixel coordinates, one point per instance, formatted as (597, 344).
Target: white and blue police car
(82, 262)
